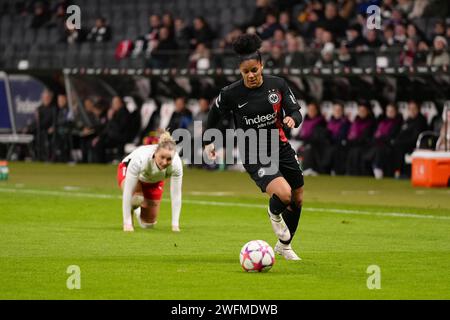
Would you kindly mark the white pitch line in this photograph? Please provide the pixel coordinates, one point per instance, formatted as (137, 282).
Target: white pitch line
(228, 204)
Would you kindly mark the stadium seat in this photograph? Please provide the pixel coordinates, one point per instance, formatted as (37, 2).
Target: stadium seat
(365, 60)
(71, 59)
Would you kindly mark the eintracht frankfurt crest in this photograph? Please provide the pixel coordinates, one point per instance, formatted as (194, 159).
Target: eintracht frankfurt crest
(273, 97)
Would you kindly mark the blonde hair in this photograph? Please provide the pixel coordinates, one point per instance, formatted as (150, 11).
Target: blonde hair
(166, 141)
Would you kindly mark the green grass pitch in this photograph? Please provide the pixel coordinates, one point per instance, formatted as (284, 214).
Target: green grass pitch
(55, 216)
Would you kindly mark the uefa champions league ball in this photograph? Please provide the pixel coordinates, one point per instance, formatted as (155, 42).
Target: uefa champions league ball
(257, 256)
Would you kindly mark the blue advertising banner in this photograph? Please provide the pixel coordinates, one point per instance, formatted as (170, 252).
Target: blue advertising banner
(26, 94)
(5, 120)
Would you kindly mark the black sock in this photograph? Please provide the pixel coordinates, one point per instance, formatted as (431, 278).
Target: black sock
(276, 206)
(292, 217)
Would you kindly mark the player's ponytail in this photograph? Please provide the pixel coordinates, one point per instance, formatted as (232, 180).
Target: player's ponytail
(166, 141)
(247, 47)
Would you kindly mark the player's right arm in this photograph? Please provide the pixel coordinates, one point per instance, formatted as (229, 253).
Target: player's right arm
(130, 182)
(216, 111)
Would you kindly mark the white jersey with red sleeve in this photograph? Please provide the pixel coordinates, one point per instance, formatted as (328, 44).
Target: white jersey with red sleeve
(142, 167)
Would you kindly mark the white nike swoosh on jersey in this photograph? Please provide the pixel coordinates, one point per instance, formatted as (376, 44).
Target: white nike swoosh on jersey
(241, 105)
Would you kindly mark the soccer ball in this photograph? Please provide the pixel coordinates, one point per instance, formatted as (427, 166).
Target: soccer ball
(257, 256)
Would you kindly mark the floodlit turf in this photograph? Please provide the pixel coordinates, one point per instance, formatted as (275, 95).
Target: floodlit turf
(55, 216)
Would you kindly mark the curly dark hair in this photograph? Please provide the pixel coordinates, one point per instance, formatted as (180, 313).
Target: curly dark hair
(247, 44)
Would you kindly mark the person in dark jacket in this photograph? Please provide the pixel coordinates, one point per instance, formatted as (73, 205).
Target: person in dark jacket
(181, 117)
(333, 160)
(164, 50)
(359, 138)
(41, 126)
(115, 133)
(405, 141)
(62, 134)
(377, 157)
(312, 135)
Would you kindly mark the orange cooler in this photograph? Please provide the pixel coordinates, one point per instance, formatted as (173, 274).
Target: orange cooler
(430, 168)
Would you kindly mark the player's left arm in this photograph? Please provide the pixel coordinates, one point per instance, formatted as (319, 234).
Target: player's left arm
(291, 108)
(176, 182)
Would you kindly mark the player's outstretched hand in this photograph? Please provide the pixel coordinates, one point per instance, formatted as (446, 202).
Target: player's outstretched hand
(128, 228)
(289, 122)
(210, 151)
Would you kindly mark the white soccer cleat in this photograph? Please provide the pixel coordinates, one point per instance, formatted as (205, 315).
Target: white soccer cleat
(279, 226)
(176, 228)
(286, 251)
(128, 228)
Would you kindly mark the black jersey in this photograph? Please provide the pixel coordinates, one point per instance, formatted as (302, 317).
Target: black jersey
(257, 108)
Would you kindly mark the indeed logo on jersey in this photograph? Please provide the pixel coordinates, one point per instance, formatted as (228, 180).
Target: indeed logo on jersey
(261, 121)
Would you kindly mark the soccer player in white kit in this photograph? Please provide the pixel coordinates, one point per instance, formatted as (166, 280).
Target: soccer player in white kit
(141, 177)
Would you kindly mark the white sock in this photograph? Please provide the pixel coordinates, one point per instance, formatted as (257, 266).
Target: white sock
(378, 173)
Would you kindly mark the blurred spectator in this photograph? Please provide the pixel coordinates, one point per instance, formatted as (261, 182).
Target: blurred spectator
(327, 57)
(41, 126)
(266, 49)
(293, 57)
(62, 131)
(439, 55)
(58, 19)
(201, 33)
(372, 42)
(146, 43)
(279, 39)
(101, 32)
(408, 55)
(164, 50)
(202, 114)
(285, 22)
(332, 21)
(41, 14)
(405, 6)
(115, 133)
(359, 138)
(168, 22)
(413, 33)
(421, 54)
(308, 19)
(333, 160)
(181, 117)
(377, 157)
(95, 122)
(400, 34)
(276, 59)
(354, 39)
(312, 135)
(438, 30)
(181, 34)
(389, 38)
(386, 8)
(345, 57)
(267, 29)
(200, 59)
(258, 17)
(317, 42)
(405, 141)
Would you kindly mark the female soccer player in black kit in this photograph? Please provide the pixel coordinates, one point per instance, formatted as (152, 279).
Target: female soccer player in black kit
(257, 102)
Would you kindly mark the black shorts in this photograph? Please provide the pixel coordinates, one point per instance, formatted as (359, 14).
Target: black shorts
(288, 168)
